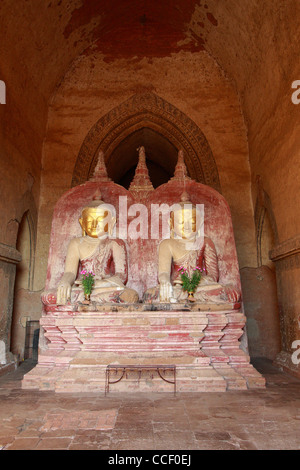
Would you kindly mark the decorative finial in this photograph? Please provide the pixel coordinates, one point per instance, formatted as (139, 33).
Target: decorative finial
(100, 172)
(141, 183)
(180, 169)
(185, 197)
(97, 196)
(96, 200)
(142, 154)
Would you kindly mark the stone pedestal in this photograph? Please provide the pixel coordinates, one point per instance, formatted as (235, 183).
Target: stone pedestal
(204, 346)
(78, 342)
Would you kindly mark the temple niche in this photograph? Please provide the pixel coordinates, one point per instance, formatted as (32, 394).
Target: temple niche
(140, 313)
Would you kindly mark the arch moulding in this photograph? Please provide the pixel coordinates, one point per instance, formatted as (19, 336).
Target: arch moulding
(148, 110)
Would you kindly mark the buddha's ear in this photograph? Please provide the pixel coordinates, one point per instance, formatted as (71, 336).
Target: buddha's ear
(80, 220)
(171, 224)
(171, 220)
(111, 225)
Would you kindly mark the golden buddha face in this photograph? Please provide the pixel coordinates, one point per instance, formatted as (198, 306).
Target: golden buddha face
(184, 223)
(96, 221)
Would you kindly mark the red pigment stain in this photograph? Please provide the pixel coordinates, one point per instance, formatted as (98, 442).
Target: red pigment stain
(137, 29)
(212, 19)
(197, 38)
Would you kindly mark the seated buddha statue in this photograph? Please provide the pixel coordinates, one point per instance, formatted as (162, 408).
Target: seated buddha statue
(99, 254)
(187, 250)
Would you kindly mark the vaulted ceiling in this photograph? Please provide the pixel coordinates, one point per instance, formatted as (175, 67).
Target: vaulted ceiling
(40, 39)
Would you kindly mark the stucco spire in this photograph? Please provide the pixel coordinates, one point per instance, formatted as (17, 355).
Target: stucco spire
(141, 181)
(100, 172)
(180, 169)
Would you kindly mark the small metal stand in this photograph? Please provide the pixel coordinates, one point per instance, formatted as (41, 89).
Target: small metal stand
(160, 369)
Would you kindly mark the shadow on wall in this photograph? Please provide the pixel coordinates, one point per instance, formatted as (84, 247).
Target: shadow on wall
(261, 309)
(32, 340)
(26, 302)
(259, 284)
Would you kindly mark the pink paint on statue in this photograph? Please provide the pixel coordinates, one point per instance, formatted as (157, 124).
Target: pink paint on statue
(143, 253)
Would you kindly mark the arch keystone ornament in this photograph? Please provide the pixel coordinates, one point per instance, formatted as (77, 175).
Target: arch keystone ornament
(147, 110)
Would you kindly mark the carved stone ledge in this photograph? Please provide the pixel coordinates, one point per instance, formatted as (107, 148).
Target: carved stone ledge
(9, 254)
(284, 362)
(204, 346)
(285, 249)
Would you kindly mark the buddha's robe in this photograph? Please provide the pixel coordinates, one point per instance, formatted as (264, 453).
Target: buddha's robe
(108, 259)
(209, 289)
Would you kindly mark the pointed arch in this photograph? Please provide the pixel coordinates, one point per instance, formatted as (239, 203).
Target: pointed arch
(263, 212)
(148, 110)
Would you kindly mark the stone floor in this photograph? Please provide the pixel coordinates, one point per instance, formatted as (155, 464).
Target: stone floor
(257, 419)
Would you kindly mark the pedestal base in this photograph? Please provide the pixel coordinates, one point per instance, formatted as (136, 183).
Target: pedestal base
(204, 346)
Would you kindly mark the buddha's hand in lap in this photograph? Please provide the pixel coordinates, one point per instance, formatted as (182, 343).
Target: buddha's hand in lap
(100, 283)
(63, 293)
(206, 280)
(113, 281)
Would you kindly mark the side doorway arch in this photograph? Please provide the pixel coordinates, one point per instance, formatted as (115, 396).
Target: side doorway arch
(260, 291)
(23, 316)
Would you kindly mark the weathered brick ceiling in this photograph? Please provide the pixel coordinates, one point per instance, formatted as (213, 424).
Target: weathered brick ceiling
(254, 41)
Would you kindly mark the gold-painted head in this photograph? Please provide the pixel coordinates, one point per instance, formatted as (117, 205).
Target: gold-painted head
(97, 219)
(184, 220)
